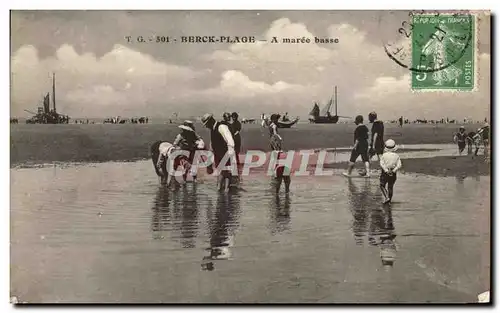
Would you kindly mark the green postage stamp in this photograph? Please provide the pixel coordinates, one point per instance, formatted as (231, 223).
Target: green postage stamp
(443, 52)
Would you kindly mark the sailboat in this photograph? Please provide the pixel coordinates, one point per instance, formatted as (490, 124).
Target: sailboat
(325, 117)
(44, 114)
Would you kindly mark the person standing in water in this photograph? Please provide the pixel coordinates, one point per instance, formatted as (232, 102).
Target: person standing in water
(460, 138)
(222, 143)
(236, 129)
(189, 140)
(390, 163)
(377, 136)
(360, 147)
(281, 172)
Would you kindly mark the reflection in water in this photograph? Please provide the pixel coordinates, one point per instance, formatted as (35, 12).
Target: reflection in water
(372, 219)
(280, 213)
(161, 212)
(222, 222)
(176, 211)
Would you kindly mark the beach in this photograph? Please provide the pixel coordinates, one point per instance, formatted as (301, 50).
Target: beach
(95, 226)
(45, 144)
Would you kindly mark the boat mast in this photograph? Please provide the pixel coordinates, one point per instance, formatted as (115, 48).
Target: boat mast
(54, 90)
(336, 101)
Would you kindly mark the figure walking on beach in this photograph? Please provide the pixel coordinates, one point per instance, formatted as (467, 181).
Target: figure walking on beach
(222, 143)
(236, 129)
(360, 147)
(390, 163)
(460, 139)
(377, 136)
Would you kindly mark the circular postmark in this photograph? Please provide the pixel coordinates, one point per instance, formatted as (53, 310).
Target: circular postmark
(428, 41)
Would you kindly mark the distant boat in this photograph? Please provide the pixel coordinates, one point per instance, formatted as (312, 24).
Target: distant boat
(325, 117)
(265, 122)
(287, 124)
(46, 116)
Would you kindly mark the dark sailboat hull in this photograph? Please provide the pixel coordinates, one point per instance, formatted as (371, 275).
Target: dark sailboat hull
(289, 124)
(324, 120)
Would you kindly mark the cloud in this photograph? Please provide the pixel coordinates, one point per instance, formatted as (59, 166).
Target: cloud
(391, 97)
(120, 79)
(249, 77)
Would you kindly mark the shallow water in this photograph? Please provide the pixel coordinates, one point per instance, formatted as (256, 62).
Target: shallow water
(109, 233)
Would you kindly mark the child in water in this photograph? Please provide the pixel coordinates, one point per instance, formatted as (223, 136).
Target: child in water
(390, 163)
(460, 138)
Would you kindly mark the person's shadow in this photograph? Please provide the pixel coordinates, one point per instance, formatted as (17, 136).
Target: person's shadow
(223, 222)
(373, 220)
(176, 212)
(279, 212)
(360, 203)
(161, 213)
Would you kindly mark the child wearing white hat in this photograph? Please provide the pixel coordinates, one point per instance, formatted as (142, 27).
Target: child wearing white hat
(390, 163)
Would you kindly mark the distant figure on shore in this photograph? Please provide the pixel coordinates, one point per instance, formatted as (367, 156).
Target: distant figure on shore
(460, 139)
(236, 130)
(222, 143)
(360, 147)
(390, 163)
(377, 136)
(401, 121)
(285, 117)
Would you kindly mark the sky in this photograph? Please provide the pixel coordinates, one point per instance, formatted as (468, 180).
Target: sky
(100, 74)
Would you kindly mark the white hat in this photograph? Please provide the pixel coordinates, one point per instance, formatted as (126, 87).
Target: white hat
(206, 118)
(390, 145)
(186, 128)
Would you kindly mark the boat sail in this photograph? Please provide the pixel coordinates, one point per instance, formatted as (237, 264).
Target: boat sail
(325, 117)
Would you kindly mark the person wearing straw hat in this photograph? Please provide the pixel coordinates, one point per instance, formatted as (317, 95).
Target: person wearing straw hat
(390, 163)
(190, 141)
(222, 143)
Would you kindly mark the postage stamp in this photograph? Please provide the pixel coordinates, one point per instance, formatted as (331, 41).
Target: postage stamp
(443, 47)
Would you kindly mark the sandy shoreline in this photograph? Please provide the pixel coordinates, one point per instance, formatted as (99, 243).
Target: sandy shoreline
(38, 145)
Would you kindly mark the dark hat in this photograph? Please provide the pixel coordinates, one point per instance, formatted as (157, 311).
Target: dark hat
(234, 115)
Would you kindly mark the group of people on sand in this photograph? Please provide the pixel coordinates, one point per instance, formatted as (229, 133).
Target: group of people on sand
(480, 137)
(225, 139)
(367, 144)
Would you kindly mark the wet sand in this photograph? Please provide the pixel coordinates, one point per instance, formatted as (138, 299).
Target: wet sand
(107, 233)
(100, 143)
(456, 166)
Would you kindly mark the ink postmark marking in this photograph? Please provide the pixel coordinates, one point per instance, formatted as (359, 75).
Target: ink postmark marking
(438, 48)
